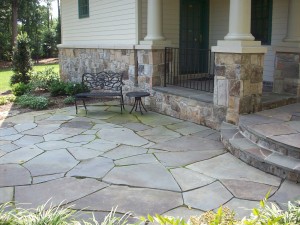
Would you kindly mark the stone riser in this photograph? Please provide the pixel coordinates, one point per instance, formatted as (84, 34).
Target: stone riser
(267, 143)
(258, 157)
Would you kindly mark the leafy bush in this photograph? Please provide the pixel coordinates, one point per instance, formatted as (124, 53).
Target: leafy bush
(43, 79)
(32, 102)
(75, 88)
(6, 99)
(21, 60)
(69, 100)
(57, 88)
(19, 89)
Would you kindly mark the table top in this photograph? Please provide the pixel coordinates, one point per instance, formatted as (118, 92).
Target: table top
(137, 94)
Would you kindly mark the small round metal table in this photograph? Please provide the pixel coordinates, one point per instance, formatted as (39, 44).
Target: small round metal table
(138, 99)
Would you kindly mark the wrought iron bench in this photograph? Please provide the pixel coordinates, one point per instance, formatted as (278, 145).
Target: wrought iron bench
(101, 85)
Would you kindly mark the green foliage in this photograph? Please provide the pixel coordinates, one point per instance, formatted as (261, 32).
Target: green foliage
(75, 88)
(112, 219)
(43, 79)
(224, 216)
(32, 102)
(21, 88)
(6, 99)
(163, 220)
(57, 88)
(69, 100)
(21, 61)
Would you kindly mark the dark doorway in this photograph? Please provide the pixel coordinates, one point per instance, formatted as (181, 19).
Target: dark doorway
(194, 24)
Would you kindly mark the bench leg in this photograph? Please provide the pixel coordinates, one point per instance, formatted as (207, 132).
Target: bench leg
(76, 105)
(84, 106)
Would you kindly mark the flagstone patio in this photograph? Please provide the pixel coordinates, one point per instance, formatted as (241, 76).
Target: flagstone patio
(147, 163)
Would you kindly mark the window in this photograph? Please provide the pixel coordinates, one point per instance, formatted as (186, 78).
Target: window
(261, 20)
(83, 8)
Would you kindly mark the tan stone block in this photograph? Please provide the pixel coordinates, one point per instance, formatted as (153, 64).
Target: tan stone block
(234, 87)
(255, 59)
(232, 117)
(278, 75)
(246, 88)
(246, 59)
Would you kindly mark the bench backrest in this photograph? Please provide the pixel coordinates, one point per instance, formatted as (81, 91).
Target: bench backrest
(103, 80)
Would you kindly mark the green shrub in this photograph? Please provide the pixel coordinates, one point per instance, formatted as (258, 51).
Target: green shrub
(69, 100)
(21, 60)
(57, 88)
(43, 79)
(21, 88)
(32, 102)
(6, 99)
(75, 88)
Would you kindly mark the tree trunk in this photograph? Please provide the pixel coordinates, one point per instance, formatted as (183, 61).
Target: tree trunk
(14, 21)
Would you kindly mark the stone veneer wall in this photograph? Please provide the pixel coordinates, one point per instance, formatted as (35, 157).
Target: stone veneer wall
(188, 109)
(287, 73)
(238, 83)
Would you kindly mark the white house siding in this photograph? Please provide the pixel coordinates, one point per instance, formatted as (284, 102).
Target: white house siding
(279, 29)
(110, 22)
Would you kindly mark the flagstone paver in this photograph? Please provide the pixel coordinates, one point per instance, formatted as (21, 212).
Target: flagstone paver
(227, 166)
(13, 174)
(95, 168)
(184, 212)
(140, 201)
(241, 207)
(21, 155)
(62, 190)
(208, 197)
(147, 164)
(144, 175)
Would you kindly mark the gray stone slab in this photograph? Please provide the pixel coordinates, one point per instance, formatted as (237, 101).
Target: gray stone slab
(6, 194)
(81, 153)
(252, 119)
(78, 124)
(143, 175)
(248, 190)
(58, 161)
(62, 190)
(283, 161)
(28, 140)
(179, 159)
(294, 125)
(57, 137)
(69, 131)
(136, 126)
(137, 159)
(271, 129)
(42, 179)
(204, 133)
(11, 137)
(81, 138)
(186, 128)
(60, 118)
(94, 168)
(7, 146)
(184, 213)
(104, 125)
(101, 145)
(7, 131)
(227, 166)
(56, 145)
(125, 118)
(21, 155)
(189, 143)
(154, 119)
(25, 126)
(158, 134)
(289, 140)
(124, 151)
(122, 136)
(14, 174)
(188, 179)
(140, 201)
(42, 129)
(242, 208)
(288, 191)
(207, 198)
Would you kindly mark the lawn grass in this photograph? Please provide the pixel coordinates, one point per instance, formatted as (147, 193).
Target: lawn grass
(5, 75)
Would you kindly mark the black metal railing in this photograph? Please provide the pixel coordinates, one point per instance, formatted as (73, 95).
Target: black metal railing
(189, 68)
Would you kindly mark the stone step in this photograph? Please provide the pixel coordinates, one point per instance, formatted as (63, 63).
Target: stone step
(264, 159)
(270, 133)
(272, 100)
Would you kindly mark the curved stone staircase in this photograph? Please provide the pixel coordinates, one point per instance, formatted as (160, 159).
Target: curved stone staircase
(268, 140)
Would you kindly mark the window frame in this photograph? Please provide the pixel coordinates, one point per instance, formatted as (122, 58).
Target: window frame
(259, 15)
(83, 9)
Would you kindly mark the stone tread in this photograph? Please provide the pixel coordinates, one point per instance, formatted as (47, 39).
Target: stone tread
(265, 159)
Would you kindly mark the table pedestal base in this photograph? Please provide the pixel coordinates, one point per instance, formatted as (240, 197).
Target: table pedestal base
(138, 103)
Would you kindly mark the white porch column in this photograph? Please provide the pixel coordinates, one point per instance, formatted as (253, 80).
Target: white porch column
(240, 21)
(154, 21)
(293, 29)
